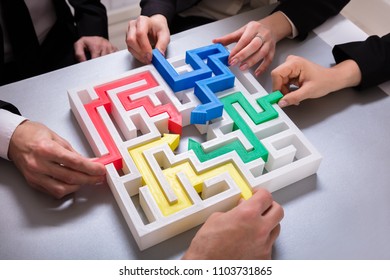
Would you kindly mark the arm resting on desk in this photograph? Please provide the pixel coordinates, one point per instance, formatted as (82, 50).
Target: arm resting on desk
(372, 56)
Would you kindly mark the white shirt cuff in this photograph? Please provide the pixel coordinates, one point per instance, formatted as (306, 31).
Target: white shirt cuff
(8, 123)
(294, 30)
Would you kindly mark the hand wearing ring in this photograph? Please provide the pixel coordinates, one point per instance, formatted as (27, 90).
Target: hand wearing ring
(260, 37)
(248, 51)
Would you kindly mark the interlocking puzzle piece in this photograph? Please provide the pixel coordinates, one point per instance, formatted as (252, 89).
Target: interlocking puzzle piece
(258, 150)
(175, 120)
(163, 183)
(206, 86)
(163, 187)
(186, 80)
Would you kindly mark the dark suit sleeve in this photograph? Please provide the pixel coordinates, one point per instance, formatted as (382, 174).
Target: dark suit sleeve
(166, 8)
(372, 56)
(90, 17)
(308, 14)
(9, 107)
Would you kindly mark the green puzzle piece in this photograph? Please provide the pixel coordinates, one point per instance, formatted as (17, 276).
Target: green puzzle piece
(258, 149)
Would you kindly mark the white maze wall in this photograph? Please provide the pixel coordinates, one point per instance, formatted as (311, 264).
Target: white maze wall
(168, 174)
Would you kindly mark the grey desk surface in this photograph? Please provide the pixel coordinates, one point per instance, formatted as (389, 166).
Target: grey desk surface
(342, 212)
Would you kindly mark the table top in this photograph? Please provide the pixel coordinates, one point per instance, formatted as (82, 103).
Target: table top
(342, 212)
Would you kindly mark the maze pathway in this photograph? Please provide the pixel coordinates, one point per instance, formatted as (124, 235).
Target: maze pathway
(185, 137)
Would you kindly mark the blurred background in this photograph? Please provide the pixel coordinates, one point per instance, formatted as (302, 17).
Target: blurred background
(373, 16)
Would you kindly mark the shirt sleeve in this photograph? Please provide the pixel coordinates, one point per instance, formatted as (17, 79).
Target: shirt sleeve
(8, 123)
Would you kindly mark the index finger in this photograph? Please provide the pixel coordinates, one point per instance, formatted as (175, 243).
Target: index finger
(134, 37)
(228, 38)
(163, 38)
(72, 160)
(142, 32)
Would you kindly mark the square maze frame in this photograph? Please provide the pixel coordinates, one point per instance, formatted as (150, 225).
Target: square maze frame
(185, 137)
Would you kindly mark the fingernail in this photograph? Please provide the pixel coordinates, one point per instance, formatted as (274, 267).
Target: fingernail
(148, 58)
(163, 53)
(101, 180)
(243, 67)
(282, 103)
(233, 62)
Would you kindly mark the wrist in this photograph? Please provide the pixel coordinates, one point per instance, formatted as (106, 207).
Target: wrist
(344, 75)
(159, 18)
(278, 24)
(15, 138)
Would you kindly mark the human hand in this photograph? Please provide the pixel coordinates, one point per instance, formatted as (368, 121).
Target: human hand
(145, 32)
(95, 45)
(49, 163)
(247, 231)
(255, 43)
(312, 80)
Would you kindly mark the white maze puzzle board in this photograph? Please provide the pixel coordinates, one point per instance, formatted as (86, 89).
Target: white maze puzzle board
(169, 168)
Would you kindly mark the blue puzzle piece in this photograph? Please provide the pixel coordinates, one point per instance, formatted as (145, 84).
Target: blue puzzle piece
(206, 89)
(176, 81)
(211, 106)
(201, 78)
